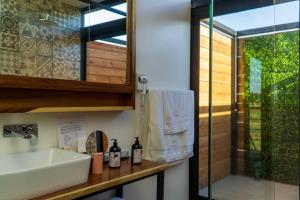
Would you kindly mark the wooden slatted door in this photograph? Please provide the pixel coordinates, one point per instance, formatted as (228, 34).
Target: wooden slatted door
(221, 101)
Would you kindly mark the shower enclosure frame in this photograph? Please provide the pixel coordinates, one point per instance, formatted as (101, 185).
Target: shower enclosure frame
(200, 11)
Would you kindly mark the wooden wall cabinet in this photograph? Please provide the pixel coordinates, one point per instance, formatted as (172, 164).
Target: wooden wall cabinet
(33, 94)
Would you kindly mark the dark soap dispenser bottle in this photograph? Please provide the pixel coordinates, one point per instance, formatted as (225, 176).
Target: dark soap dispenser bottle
(115, 155)
(136, 152)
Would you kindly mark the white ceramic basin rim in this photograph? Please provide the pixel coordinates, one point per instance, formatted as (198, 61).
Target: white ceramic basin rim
(26, 175)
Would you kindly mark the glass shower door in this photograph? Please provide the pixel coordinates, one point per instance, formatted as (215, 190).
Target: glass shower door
(249, 103)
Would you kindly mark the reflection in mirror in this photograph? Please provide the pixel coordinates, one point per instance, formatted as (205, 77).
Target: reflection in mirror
(106, 55)
(40, 39)
(64, 39)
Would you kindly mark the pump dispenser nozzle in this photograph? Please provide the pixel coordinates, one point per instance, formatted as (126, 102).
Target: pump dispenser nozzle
(115, 143)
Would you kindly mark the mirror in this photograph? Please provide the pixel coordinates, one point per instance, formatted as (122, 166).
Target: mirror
(106, 54)
(84, 40)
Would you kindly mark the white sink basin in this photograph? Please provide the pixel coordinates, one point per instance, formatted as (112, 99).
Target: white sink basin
(27, 175)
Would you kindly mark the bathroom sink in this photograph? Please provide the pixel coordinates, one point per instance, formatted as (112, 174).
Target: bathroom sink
(27, 175)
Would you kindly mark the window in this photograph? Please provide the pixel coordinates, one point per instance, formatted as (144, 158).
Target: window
(105, 15)
(121, 7)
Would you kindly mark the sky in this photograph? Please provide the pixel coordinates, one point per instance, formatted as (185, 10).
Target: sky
(262, 17)
(102, 16)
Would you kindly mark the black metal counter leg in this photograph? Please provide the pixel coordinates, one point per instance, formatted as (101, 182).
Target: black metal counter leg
(160, 185)
(119, 192)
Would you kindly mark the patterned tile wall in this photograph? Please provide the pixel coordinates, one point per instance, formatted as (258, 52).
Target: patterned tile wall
(36, 48)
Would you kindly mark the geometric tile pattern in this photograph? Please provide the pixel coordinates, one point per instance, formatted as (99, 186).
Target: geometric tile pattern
(30, 47)
(61, 18)
(46, 4)
(9, 62)
(59, 47)
(9, 5)
(74, 47)
(44, 32)
(9, 41)
(44, 48)
(76, 70)
(27, 28)
(44, 67)
(27, 65)
(8, 22)
(62, 69)
(74, 22)
(30, 5)
(66, 69)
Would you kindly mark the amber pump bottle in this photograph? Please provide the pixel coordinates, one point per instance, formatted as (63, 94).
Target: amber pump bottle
(114, 155)
(136, 152)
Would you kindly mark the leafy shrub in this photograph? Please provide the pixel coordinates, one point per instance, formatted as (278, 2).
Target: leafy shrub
(271, 84)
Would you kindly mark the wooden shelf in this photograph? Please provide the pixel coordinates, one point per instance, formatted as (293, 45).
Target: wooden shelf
(21, 82)
(26, 100)
(26, 94)
(79, 109)
(109, 179)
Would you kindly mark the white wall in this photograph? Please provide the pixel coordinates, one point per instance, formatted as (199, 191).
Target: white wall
(163, 52)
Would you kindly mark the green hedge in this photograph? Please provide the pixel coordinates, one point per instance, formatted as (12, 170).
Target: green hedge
(271, 67)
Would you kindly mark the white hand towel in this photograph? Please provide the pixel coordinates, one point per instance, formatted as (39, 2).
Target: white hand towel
(176, 105)
(159, 146)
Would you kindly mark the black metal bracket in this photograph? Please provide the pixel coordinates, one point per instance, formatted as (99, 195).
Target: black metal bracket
(119, 188)
(160, 185)
(105, 30)
(119, 191)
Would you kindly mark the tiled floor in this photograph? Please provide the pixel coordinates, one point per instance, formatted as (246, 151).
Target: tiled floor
(244, 188)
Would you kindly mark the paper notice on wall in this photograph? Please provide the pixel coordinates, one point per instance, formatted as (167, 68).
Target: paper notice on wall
(69, 131)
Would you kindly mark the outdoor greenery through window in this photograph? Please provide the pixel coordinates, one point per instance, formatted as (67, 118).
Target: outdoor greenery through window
(271, 94)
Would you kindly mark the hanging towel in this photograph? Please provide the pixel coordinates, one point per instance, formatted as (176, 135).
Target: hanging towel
(176, 106)
(175, 141)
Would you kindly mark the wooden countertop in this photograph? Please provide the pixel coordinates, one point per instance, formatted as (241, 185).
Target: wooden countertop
(109, 179)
